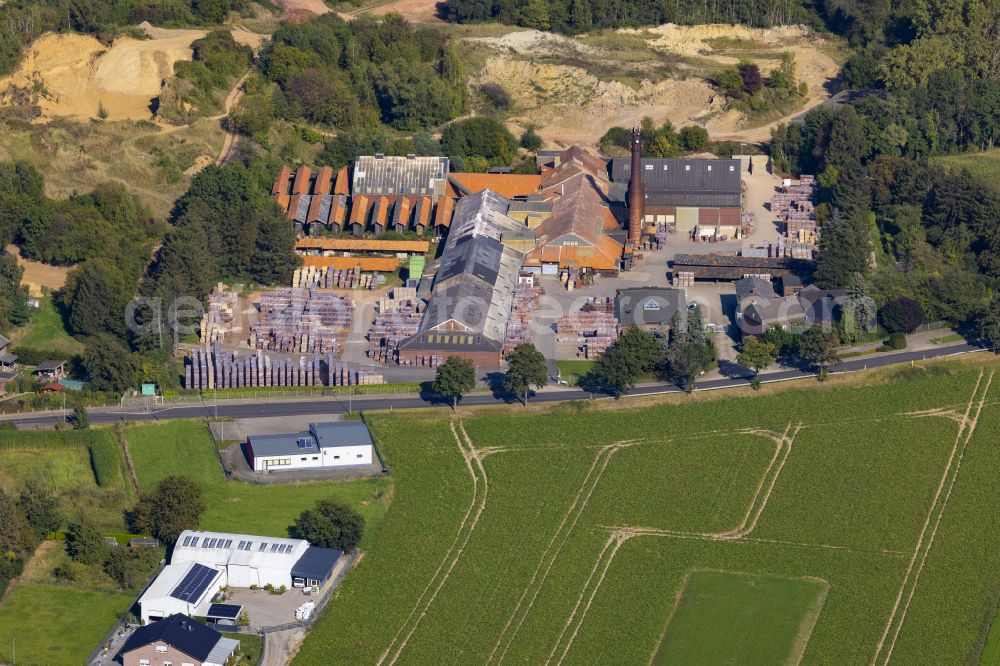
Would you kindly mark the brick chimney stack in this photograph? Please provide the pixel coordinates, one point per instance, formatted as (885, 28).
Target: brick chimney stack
(636, 200)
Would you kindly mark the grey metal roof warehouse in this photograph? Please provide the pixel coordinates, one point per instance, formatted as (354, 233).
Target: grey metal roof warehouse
(389, 175)
(316, 563)
(686, 182)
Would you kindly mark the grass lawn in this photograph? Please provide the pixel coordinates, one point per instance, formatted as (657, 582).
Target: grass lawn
(732, 618)
(947, 339)
(571, 536)
(990, 655)
(63, 469)
(46, 330)
(185, 447)
(570, 371)
(54, 624)
(251, 646)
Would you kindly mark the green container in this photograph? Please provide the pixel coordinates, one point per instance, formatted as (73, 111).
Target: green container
(416, 266)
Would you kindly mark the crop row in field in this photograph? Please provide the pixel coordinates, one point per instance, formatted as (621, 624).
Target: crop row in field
(578, 554)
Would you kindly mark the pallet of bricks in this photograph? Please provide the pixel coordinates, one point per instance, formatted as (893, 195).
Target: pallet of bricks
(340, 374)
(300, 320)
(313, 277)
(428, 361)
(522, 313)
(390, 327)
(593, 329)
(206, 370)
(220, 319)
(683, 279)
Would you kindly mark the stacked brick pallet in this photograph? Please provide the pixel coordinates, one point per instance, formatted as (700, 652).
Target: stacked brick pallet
(300, 320)
(795, 206)
(220, 320)
(429, 361)
(683, 279)
(342, 375)
(390, 327)
(522, 314)
(593, 329)
(311, 277)
(206, 370)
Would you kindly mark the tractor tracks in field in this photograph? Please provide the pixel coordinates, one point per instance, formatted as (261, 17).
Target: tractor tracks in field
(480, 487)
(552, 550)
(907, 589)
(620, 534)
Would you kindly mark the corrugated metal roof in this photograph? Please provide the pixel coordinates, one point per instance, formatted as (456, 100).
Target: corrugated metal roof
(388, 175)
(367, 264)
(301, 183)
(323, 180)
(361, 245)
(282, 180)
(682, 181)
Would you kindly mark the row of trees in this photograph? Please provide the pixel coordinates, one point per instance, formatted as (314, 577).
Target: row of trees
(573, 16)
(662, 141)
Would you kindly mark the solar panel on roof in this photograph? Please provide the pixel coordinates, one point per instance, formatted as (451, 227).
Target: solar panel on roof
(224, 611)
(194, 583)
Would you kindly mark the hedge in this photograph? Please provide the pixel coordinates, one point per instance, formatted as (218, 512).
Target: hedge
(105, 460)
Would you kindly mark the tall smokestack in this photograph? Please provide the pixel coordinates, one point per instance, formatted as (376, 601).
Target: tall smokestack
(636, 200)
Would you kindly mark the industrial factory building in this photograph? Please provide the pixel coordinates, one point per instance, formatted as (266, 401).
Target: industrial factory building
(204, 562)
(381, 175)
(473, 290)
(682, 193)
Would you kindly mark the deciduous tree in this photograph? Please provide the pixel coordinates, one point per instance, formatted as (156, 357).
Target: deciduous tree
(525, 368)
(330, 524)
(455, 377)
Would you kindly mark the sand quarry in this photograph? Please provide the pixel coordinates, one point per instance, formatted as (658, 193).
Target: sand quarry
(570, 105)
(78, 74)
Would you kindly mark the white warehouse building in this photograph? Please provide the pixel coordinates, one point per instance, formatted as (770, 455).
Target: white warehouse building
(334, 444)
(204, 562)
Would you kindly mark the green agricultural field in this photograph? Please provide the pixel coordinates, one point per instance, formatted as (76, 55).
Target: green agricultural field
(727, 618)
(854, 522)
(185, 447)
(52, 624)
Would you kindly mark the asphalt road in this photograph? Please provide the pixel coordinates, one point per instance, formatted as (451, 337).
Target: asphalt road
(341, 405)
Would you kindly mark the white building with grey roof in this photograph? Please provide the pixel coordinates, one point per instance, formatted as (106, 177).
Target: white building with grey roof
(324, 445)
(204, 562)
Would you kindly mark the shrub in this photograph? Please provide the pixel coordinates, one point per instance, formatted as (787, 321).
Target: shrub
(896, 341)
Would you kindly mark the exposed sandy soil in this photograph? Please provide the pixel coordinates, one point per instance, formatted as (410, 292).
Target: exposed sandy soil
(300, 11)
(38, 275)
(78, 74)
(414, 11)
(571, 105)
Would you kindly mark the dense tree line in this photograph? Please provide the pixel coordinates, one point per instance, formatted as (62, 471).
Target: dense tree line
(355, 76)
(13, 295)
(224, 228)
(573, 16)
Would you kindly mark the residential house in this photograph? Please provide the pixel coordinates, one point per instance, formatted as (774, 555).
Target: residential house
(177, 640)
(325, 445)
